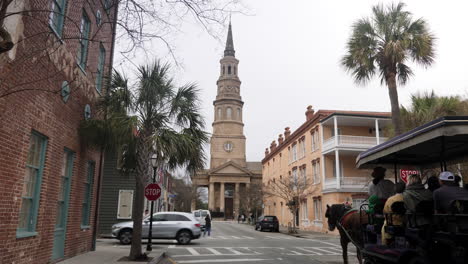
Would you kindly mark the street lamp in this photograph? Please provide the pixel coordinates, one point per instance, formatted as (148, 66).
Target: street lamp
(154, 164)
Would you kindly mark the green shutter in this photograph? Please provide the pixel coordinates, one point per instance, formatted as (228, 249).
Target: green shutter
(88, 192)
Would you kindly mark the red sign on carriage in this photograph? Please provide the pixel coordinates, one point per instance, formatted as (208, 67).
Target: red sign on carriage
(152, 191)
(405, 173)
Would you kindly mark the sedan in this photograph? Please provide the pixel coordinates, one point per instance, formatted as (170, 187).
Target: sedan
(267, 222)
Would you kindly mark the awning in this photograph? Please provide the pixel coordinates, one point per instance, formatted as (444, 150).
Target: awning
(433, 144)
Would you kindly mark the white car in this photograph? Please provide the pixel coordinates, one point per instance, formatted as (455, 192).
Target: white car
(200, 215)
(166, 225)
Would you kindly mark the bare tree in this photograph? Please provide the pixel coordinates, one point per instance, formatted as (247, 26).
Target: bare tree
(185, 193)
(291, 189)
(252, 198)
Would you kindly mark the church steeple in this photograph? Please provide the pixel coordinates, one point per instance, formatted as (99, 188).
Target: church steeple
(229, 50)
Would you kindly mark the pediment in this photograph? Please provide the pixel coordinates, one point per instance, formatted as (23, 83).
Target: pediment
(230, 168)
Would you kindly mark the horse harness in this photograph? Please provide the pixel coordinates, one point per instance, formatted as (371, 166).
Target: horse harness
(341, 228)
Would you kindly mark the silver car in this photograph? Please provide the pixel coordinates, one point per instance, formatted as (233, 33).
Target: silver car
(166, 225)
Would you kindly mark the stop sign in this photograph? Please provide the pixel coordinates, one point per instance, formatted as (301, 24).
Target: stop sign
(152, 191)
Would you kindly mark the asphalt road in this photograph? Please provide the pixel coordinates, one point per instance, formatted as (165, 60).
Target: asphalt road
(239, 243)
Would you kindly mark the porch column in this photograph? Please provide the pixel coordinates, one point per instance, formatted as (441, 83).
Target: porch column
(322, 164)
(321, 135)
(377, 132)
(337, 170)
(236, 200)
(211, 197)
(221, 197)
(335, 124)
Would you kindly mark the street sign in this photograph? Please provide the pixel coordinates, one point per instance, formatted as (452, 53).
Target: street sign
(152, 191)
(405, 173)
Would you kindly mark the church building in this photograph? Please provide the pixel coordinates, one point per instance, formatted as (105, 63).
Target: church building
(229, 175)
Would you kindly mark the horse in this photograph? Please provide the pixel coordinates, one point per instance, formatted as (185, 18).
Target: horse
(348, 221)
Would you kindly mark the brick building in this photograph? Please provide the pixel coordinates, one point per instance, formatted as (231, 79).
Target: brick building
(322, 151)
(49, 82)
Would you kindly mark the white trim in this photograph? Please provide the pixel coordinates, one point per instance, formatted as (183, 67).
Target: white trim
(131, 204)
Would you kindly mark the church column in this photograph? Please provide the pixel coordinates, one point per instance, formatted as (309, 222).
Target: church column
(211, 198)
(221, 197)
(236, 200)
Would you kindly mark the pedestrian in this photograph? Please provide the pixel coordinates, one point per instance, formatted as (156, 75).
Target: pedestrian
(238, 219)
(433, 183)
(243, 218)
(448, 192)
(207, 225)
(381, 187)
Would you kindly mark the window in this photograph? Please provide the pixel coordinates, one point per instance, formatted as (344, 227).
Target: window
(57, 16)
(315, 171)
(229, 69)
(182, 218)
(318, 209)
(88, 192)
(100, 67)
(302, 172)
(124, 210)
(98, 18)
(229, 113)
(294, 175)
(294, 152)
(64, 189)
(32, 184)
(302, 148)
(239, 114)
(84, 38)
(107, 5)
(219, 113)
(316, 139)
(304, 210)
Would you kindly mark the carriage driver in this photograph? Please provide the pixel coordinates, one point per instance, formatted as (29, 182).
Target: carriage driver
(381, 187)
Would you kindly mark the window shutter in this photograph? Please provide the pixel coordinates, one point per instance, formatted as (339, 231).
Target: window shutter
(125, 204)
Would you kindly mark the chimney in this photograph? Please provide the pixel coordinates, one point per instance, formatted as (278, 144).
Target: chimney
(272, 146)
(309, 113)
(280, 139)
(287, 132)
(267, 152)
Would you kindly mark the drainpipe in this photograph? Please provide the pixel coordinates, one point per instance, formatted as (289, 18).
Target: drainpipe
(377, 132)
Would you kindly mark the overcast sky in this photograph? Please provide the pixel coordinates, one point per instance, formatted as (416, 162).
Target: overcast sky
(289, 54)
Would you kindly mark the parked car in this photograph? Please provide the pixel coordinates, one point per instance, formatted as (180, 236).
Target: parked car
(267, 222)
(200, 215)
(166, 225)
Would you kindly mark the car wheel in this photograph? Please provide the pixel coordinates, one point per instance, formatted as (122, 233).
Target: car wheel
(125, 237)
(184, 237)
(277, 230)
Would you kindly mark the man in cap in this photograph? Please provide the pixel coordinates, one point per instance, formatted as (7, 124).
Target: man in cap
(447, 193)
(381, 187)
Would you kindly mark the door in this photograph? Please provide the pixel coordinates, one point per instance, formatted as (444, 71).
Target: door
(156, 231)
(60, 229)
(228, 208)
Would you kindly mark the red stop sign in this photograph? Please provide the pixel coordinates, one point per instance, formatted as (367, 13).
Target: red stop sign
(152, 191)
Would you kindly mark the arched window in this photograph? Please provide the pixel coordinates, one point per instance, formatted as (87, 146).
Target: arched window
(239, 114)
(229, 113)
(229, 69)
(219, 113)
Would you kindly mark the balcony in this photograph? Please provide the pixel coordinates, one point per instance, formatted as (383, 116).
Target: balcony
(359, 143)
(349, 184)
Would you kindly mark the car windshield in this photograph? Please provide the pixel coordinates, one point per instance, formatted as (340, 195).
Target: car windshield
(204, 213)
(197, 214)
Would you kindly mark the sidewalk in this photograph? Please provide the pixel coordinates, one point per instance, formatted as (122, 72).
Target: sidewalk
(108, 252)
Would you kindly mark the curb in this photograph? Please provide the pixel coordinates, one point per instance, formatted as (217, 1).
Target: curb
(162, 259)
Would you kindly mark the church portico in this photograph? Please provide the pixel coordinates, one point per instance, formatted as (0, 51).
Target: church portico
(229, 173)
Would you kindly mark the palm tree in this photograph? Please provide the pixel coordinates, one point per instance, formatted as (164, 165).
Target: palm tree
(385, 42)
(428, 106)
(166, 121)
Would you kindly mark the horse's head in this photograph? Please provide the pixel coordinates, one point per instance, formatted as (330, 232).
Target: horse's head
(334, 214)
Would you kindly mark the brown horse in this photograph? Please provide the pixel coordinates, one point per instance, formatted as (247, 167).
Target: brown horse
(347, 221)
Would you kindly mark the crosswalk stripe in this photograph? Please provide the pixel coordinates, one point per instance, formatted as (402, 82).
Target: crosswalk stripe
(235, 237)
(214, 251)
(310, 251)
(247, 237)
(297, 253)
(235, 251)
(193, 251)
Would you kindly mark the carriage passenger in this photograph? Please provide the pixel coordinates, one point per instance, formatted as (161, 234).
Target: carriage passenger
(415, 193)
(396, 219)
(448, 192)
(379, 186)
(433, 183)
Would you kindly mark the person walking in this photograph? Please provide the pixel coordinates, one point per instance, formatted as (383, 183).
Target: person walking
(207, 225)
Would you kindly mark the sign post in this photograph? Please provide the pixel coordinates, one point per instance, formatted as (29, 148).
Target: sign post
(152, 193)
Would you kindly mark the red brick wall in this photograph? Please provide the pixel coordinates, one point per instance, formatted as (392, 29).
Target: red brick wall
(43, 62)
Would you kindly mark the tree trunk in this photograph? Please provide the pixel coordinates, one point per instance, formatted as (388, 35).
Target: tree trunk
(143, 155)
(393, 93)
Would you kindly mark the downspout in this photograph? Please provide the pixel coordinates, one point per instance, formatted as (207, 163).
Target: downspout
(101, 154)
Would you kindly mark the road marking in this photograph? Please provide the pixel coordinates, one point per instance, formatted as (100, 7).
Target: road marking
(247, 237)
(329, 250)
(193, 251)
(235, 251)
(278, 237)
(296, 253)
(172, 246)
(235, 237)
(310, 251)
(220, 260)
(214, 251)
(331, 244)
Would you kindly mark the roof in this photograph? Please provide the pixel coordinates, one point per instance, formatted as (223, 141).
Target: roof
(357, 114)
(229, 50)
(255, 166)
(441, 140)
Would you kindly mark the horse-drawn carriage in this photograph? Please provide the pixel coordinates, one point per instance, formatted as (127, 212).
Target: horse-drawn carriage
(423, 236)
